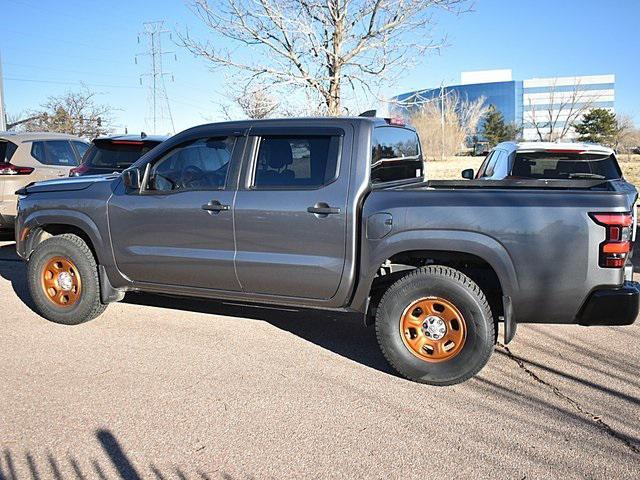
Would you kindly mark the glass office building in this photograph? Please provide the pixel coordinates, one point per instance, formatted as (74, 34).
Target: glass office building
(505, 96)
(527, 103)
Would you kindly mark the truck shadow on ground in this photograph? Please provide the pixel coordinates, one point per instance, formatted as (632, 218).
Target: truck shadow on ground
(340, 333)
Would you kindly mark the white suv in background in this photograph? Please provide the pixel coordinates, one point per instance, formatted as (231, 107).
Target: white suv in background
(31, 157)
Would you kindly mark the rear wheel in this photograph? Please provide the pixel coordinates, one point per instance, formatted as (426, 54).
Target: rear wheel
(63, 280)
(434, 326)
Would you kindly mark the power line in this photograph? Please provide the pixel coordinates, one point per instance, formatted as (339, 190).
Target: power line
(41, 67)
(153, 31)
(104, 85)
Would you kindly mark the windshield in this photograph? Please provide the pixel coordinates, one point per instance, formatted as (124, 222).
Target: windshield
(564, 165)
(115, 155)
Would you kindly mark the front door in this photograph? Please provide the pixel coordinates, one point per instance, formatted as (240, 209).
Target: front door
(291, 214)
(179, 229)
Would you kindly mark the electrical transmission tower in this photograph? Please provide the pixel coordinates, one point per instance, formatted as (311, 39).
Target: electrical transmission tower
(160, 107)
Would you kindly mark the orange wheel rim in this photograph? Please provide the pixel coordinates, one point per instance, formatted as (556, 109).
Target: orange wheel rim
(61, 281)
(433, 329)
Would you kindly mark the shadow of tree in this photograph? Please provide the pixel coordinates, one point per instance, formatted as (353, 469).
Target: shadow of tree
(116, 456)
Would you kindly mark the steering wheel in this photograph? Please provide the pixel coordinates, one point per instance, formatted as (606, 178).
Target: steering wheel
(190, 174)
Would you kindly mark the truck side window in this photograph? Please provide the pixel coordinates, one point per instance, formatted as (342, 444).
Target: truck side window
(395, 155)
(198, 165)
(299, 161)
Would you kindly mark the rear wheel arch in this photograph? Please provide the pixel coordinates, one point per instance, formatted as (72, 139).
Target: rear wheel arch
(486, 262)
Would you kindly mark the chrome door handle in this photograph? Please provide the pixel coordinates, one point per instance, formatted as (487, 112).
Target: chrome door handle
(323, 209)
(215, 206)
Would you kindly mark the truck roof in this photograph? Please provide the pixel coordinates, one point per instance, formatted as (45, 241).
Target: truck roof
(557, 146)
(305, 121)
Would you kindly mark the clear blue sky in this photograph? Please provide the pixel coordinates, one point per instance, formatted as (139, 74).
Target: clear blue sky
(48, 47)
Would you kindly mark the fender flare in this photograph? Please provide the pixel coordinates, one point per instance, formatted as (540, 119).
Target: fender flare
(83, 222)
(375, 253)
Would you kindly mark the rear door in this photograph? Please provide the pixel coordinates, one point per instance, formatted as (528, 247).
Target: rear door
(291, 212)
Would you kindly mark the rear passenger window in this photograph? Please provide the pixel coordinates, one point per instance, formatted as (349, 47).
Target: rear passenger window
(395, 155)
(296, 161)
(54, 152)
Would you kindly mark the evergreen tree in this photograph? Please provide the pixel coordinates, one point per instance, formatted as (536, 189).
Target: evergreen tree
(598, 126)
(495, 130)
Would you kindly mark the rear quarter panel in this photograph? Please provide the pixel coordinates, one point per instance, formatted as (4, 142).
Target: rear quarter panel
(541, 243)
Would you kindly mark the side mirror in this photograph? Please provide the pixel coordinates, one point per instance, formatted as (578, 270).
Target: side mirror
(468, 174)
(132, 178)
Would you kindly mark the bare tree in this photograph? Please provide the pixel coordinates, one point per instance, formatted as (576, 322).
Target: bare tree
(256, 103)
(446, 123)
(564, 109)
(76, 113)
(627, 136)
(322, 46)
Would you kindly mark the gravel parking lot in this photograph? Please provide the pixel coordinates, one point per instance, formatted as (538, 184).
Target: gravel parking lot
(169, 388)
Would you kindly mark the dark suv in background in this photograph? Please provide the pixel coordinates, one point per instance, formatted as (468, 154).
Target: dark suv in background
(115, 153)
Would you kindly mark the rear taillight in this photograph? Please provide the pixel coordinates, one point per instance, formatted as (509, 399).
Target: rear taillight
(77, 171)
(617, 243)
(10, 169)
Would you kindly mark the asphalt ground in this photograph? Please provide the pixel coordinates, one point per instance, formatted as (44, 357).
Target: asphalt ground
(165, 388)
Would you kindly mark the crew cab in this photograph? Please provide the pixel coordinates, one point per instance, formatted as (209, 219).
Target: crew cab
(334, 214)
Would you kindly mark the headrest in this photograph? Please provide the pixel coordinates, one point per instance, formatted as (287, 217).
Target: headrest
(278, 153)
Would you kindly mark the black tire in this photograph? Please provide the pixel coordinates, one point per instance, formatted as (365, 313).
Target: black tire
(452, 285)
(88, 306)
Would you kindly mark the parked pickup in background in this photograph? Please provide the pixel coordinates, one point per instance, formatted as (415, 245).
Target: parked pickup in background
(335, 214)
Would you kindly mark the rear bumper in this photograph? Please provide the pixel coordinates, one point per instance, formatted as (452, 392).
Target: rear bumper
(612, 306)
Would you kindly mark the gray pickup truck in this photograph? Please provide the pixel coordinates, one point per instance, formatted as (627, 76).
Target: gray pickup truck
(335, 214)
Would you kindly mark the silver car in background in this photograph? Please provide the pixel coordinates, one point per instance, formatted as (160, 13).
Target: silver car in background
(32, 157)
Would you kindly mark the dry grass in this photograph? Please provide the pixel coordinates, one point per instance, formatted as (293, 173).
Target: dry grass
(450, 168)
(630, 165)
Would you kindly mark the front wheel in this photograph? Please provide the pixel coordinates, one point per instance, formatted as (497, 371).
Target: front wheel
(63, 280)
(434, 326)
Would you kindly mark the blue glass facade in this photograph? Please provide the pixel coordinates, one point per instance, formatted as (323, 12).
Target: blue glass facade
(505, 96)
